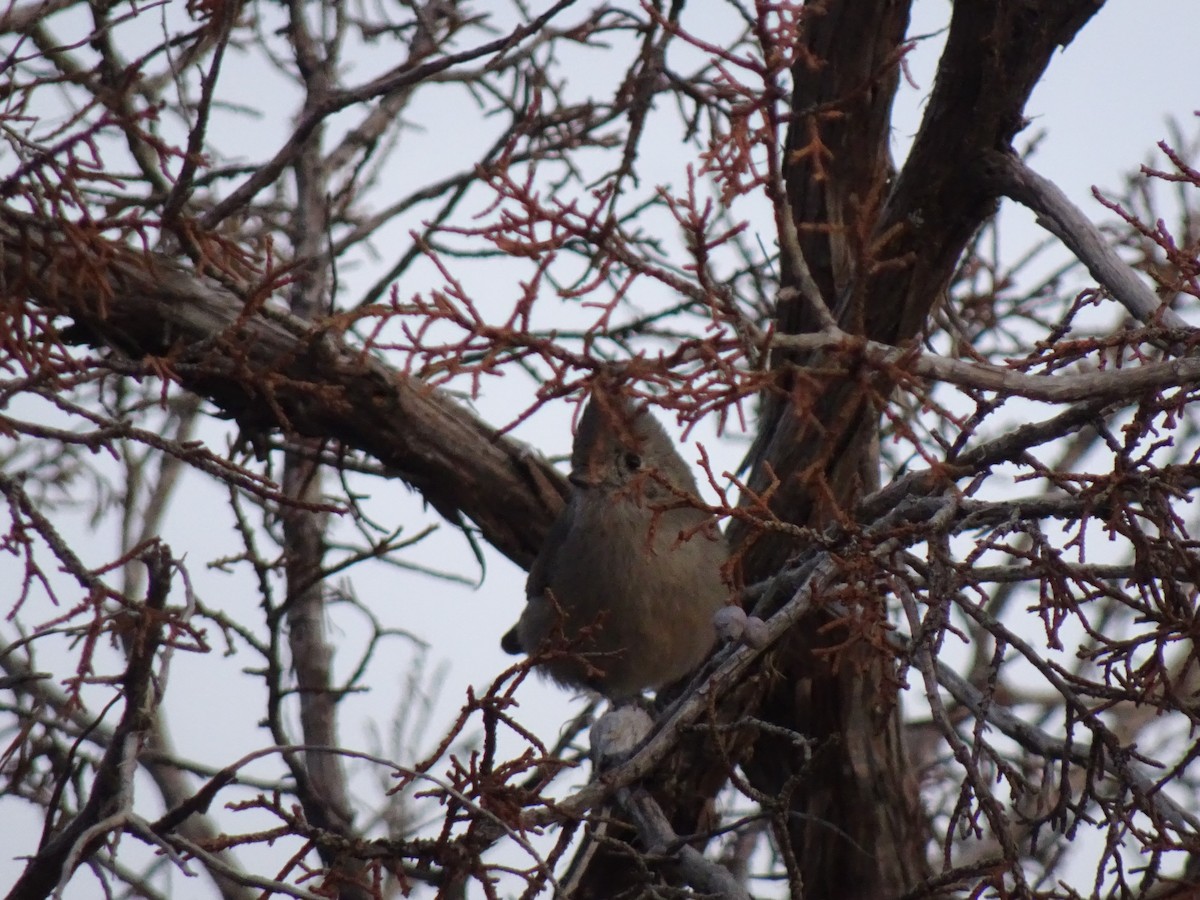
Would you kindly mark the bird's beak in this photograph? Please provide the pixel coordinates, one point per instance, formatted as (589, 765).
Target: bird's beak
(590, 471)
(587, 475)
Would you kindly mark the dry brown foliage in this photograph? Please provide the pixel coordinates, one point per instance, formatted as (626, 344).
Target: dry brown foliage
(965, 515)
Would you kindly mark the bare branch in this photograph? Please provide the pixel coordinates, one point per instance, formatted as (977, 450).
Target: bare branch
(1061, 218)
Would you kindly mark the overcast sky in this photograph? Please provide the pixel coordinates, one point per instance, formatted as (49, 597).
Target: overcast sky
(1103, 106)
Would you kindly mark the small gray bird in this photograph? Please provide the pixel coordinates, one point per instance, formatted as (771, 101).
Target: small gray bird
(628, 562)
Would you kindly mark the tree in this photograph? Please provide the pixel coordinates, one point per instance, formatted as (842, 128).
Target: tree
(947, 686)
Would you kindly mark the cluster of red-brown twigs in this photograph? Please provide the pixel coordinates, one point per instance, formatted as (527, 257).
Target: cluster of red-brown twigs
(963, 529)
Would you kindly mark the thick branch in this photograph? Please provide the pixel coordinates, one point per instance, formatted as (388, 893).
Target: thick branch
(1057, 387)
(1063, 219)
(995, 54)
(112, 785)
(705, 875)
(856, 829)
(270, 370)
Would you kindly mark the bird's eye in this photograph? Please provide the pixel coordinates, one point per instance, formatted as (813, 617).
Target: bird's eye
(633, 462)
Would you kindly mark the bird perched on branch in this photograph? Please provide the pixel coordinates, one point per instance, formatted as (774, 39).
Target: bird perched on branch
(622, 596)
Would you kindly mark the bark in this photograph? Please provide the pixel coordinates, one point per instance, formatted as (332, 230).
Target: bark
(878, 252)
(269, 370)
(882, 259)
(111, 794)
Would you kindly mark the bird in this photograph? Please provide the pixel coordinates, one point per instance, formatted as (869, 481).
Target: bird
(621, 597)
